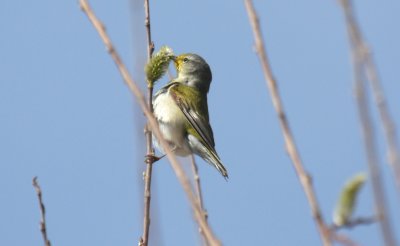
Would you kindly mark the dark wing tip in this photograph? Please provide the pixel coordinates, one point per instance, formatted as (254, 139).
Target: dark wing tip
(226, 176)
(223, 172)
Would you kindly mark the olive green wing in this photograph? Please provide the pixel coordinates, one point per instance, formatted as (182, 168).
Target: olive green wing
(195, 110)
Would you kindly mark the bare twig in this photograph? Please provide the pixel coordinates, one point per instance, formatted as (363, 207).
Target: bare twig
(342, 239)
(387, 122)
(43, 229)
(358, 56)
(291, 148)
(197, 186)
(149, 161)
(356, 222)
(152, 123)
(150, 44)
(197, 183)
(371, 73)
(147, 187)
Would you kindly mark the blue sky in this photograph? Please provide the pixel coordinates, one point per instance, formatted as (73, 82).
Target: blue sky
(67, 117)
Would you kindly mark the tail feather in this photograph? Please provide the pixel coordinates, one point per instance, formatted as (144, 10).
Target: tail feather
(208, 154)
(212, 158)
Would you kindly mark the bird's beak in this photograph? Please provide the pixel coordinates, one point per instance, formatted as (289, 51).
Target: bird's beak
(177, 62)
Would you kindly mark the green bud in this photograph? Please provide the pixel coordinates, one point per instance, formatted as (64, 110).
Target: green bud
(158, 64)
(347, 200)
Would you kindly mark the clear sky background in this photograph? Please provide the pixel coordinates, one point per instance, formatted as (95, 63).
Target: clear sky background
(66, 116)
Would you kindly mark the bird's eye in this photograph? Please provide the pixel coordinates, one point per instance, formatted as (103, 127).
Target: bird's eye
(185, 59)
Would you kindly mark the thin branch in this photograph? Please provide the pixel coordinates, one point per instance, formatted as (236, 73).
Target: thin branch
(291, 148)
(149, 145)
(197, 183)
(197, 186)
(147, 189)
(43, 229)
(387, 122)
(371, 73)
(342, 239)
(356, 222)
(150, 44)
(358, 57)
(176, 166)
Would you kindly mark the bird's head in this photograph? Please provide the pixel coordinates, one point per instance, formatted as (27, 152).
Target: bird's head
(193, 70)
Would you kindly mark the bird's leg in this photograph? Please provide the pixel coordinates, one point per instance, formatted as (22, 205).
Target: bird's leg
(150, 158)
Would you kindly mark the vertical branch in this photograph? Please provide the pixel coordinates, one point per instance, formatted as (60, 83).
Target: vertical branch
(387, 122)
(291, 148)
(150, 44)
(149, 145)
(43, 229)
(376, 87)
(133, 87)
(197, 186)
(385, 117)
(147, 188)
(360, 62)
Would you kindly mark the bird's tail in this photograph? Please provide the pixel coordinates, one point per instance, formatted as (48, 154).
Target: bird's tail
(213, 158)
(208, 153)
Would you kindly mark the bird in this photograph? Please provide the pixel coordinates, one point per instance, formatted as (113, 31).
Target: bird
(181, 110)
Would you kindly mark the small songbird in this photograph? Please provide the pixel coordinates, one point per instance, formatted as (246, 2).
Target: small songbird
(181, 110)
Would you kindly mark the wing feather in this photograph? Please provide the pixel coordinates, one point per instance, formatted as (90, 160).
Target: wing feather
(199, 123)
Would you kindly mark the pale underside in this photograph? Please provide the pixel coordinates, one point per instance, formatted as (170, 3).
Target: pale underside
(172, 124)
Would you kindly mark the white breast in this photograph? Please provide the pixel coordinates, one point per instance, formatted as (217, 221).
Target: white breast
(166, 110)
(171, 122)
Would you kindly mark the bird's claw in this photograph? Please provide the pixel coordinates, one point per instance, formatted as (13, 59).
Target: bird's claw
(151, 158)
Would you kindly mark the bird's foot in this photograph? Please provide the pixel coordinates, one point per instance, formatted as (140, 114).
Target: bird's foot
(151, 158)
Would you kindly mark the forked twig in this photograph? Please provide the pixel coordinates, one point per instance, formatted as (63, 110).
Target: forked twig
(43, 228)
(358, 56)
(132, 85)
(291, 148)
(371, 74)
